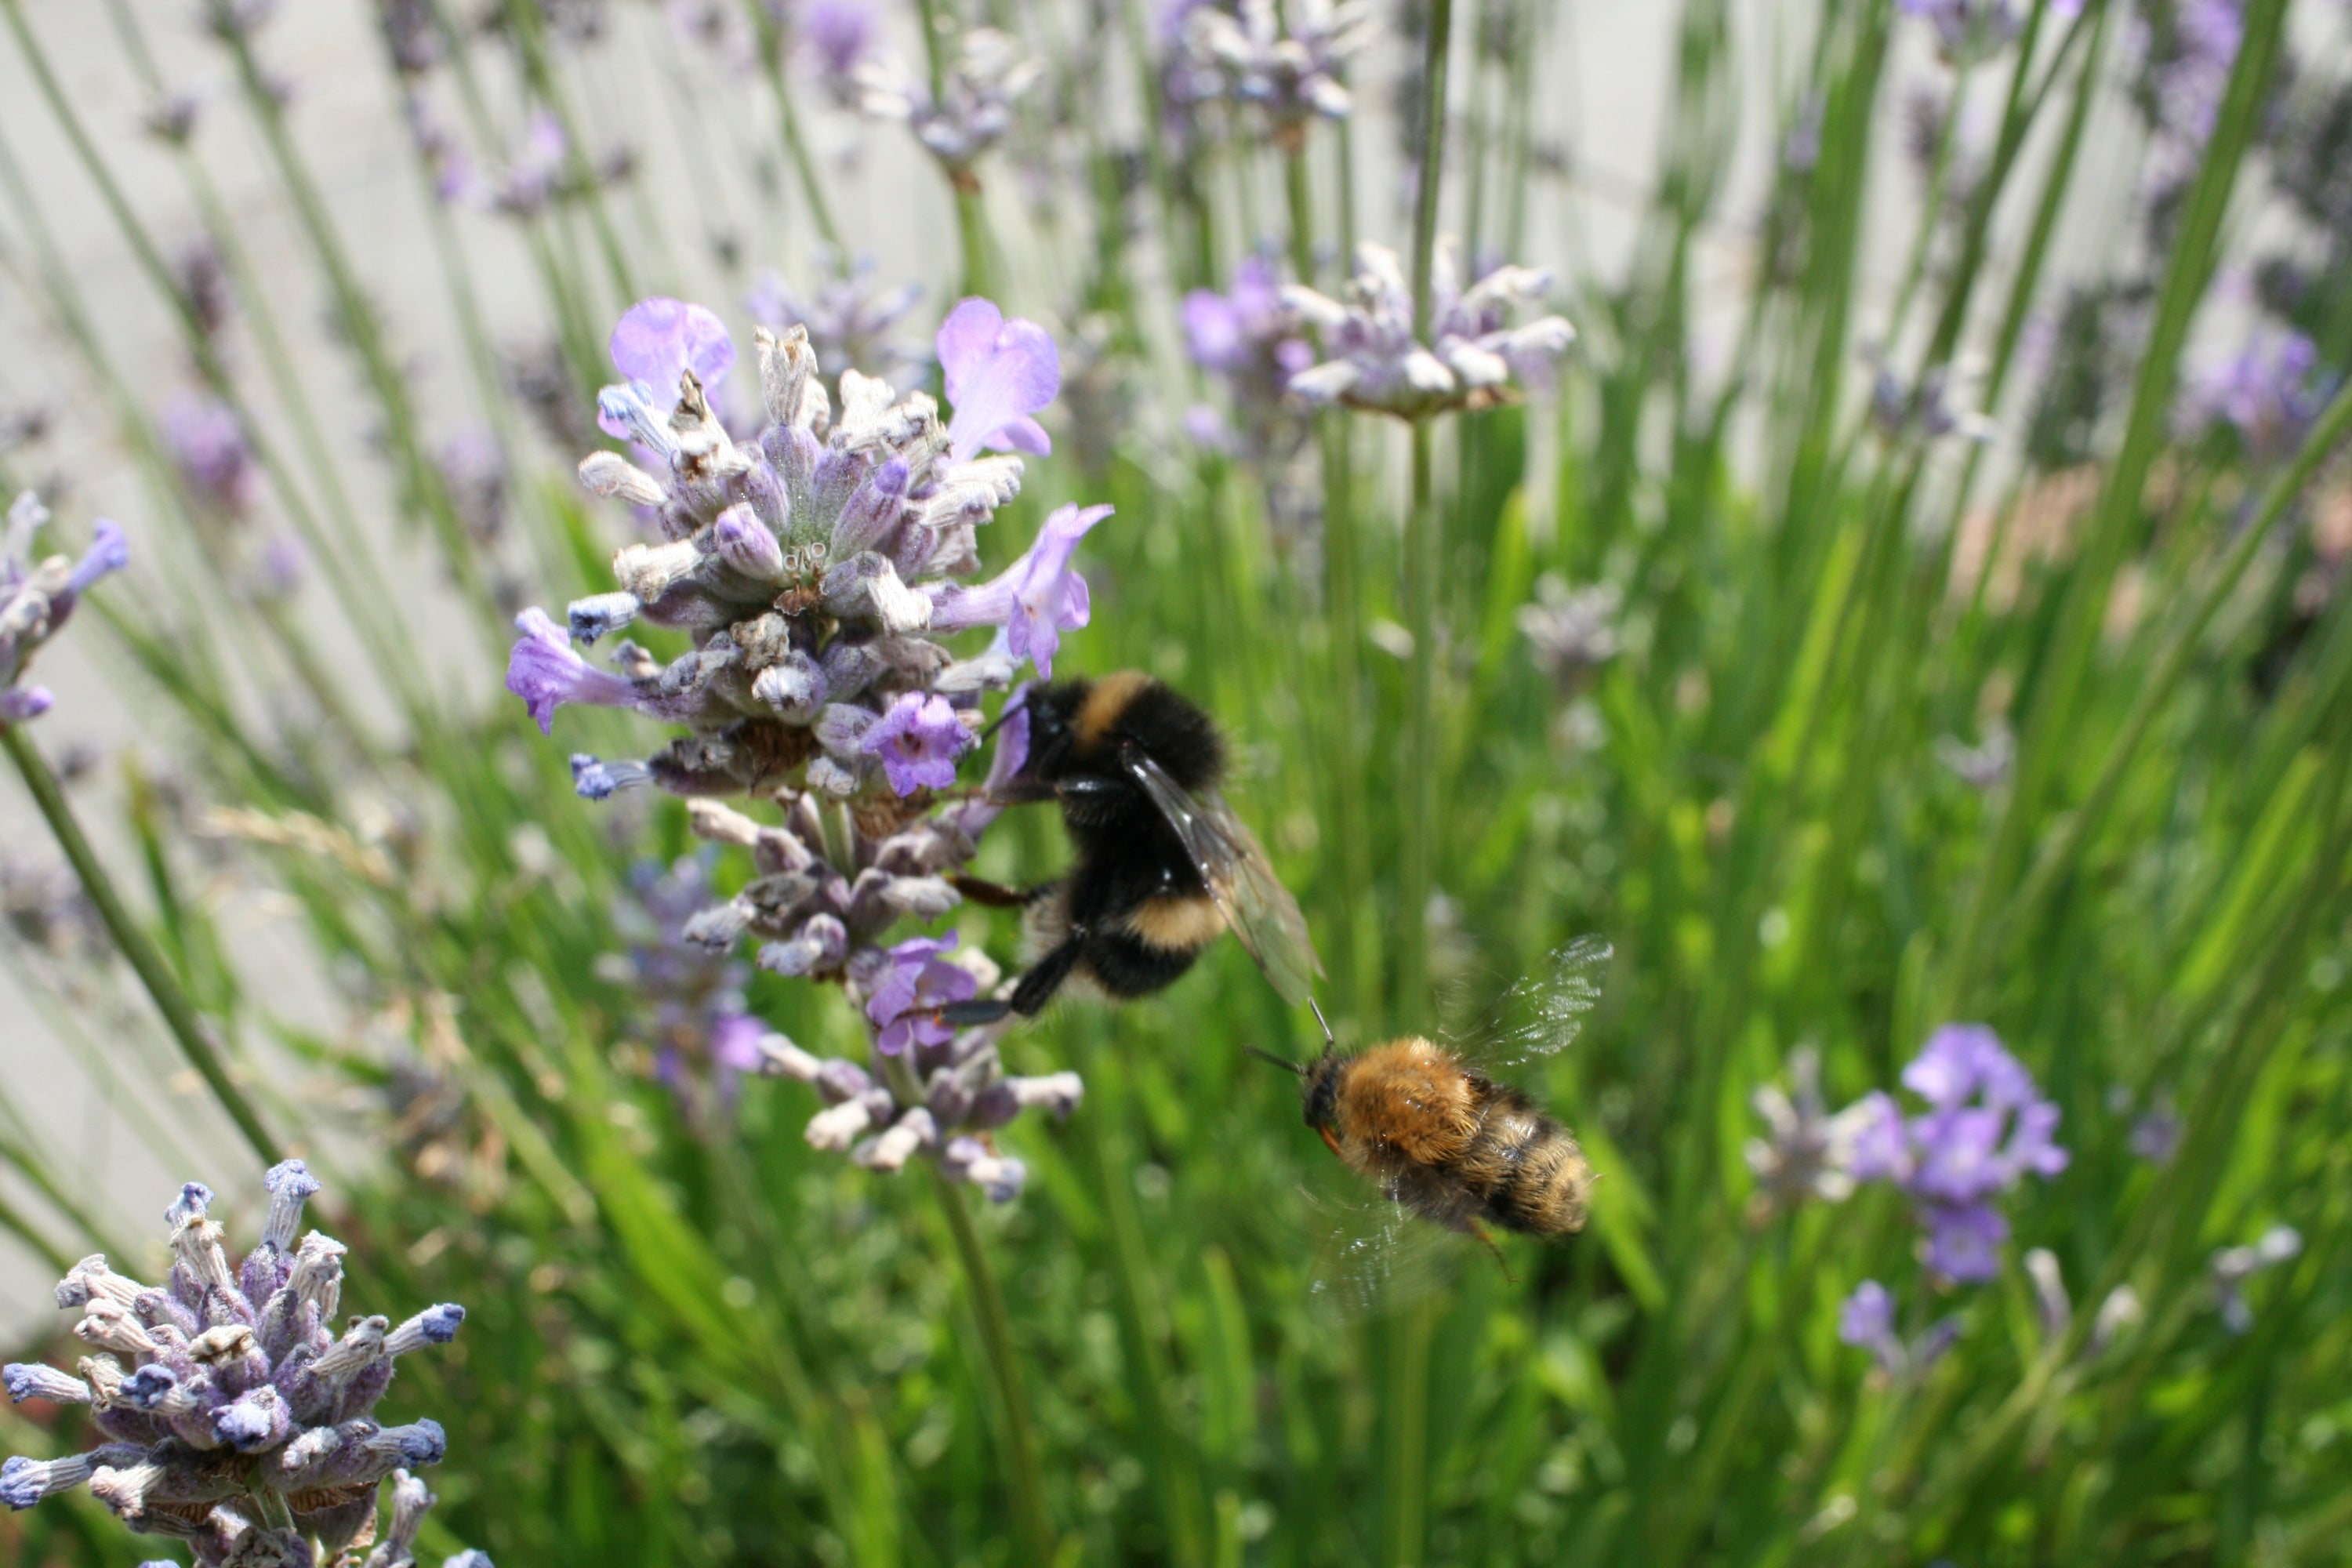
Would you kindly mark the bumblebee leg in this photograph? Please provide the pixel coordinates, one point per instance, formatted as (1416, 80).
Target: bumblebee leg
(968, 1015)
(1487, 1242)
(1331, 1141)
(1046, 977)
(992, 895)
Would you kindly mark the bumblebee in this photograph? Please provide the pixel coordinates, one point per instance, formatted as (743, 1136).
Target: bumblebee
(1162, 865)
(1441, 1140)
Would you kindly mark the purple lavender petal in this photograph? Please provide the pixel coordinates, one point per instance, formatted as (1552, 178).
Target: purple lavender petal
(660, 339)
(918, 740)
(546, 673)
(996, 371)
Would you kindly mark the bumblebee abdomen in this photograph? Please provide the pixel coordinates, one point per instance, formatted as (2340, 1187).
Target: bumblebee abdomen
(1524, 1166)
(1179, 922)
(1405, 1102)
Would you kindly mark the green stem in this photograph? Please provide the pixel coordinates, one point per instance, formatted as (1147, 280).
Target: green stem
(2332, 427)
(2047, 736)
(1030, 1525)
(179, 1012)
(1407, 1390)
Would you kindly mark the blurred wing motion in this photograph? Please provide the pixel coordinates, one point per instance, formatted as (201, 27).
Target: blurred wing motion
(1540, 1016)
(1375, 1258)
(1257, 906)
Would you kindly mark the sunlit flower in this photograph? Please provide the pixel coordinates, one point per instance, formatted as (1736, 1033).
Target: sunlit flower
(1467, 358)
(912, 986)
(998, 374)
(918, 738)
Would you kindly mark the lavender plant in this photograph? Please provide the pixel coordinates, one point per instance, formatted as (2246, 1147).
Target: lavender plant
(816, 569)
(235, 1419)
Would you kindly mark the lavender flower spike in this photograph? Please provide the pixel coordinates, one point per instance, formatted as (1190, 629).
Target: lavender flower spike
(264, 1414)
(1986, 1128)
(998, 374)
(1465, 356)
(37, 596)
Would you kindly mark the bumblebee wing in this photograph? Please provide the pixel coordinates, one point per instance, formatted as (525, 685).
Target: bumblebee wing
(1375, 1256)
(1257, 906)
(1543, 1012)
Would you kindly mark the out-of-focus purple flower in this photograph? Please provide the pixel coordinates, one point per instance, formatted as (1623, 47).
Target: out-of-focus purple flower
(1255, 342)
(1866, 1320)
(1289, 77)
(2155, 1134)
(1807, 1152)
(284, 564)
(1383, 362)
(839, 36)
(1570, 632)
(1986, 1128)
(1923, 410)
(915, 983)
(37, 597)
(473, 466)
(546, 673)
(918, 738)
(224, 1398)
(998, 374)
(208, 447)
(2234, 1265)
(851, 318)
(2269, 391)
(536, 171)
(1867, 1316)
(1037, 598)
(986, 76)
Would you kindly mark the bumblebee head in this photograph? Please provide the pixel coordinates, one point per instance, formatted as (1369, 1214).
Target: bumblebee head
(1050, 709)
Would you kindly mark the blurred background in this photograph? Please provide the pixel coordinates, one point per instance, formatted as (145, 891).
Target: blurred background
(1915, 600)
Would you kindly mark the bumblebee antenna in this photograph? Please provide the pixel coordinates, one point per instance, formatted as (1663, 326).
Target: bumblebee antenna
(1317, 1008)
(1283, 1062)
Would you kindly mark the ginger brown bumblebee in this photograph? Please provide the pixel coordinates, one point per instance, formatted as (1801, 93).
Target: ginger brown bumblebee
(1443, 1141)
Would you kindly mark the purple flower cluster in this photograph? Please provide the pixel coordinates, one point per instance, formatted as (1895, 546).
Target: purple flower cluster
(1970, 31)
(37, 596)
(694, 1017)
(812, 566)
(235, 1419)
(1867, 1320)
(2269, 391)
(1254, 342)
(1385, 361)
(851, 316)
(1245, 55)
(934, 1091)
(1984, 1130)
(987, 75)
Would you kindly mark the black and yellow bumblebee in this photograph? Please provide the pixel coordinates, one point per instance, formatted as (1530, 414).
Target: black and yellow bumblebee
(1162, 865)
